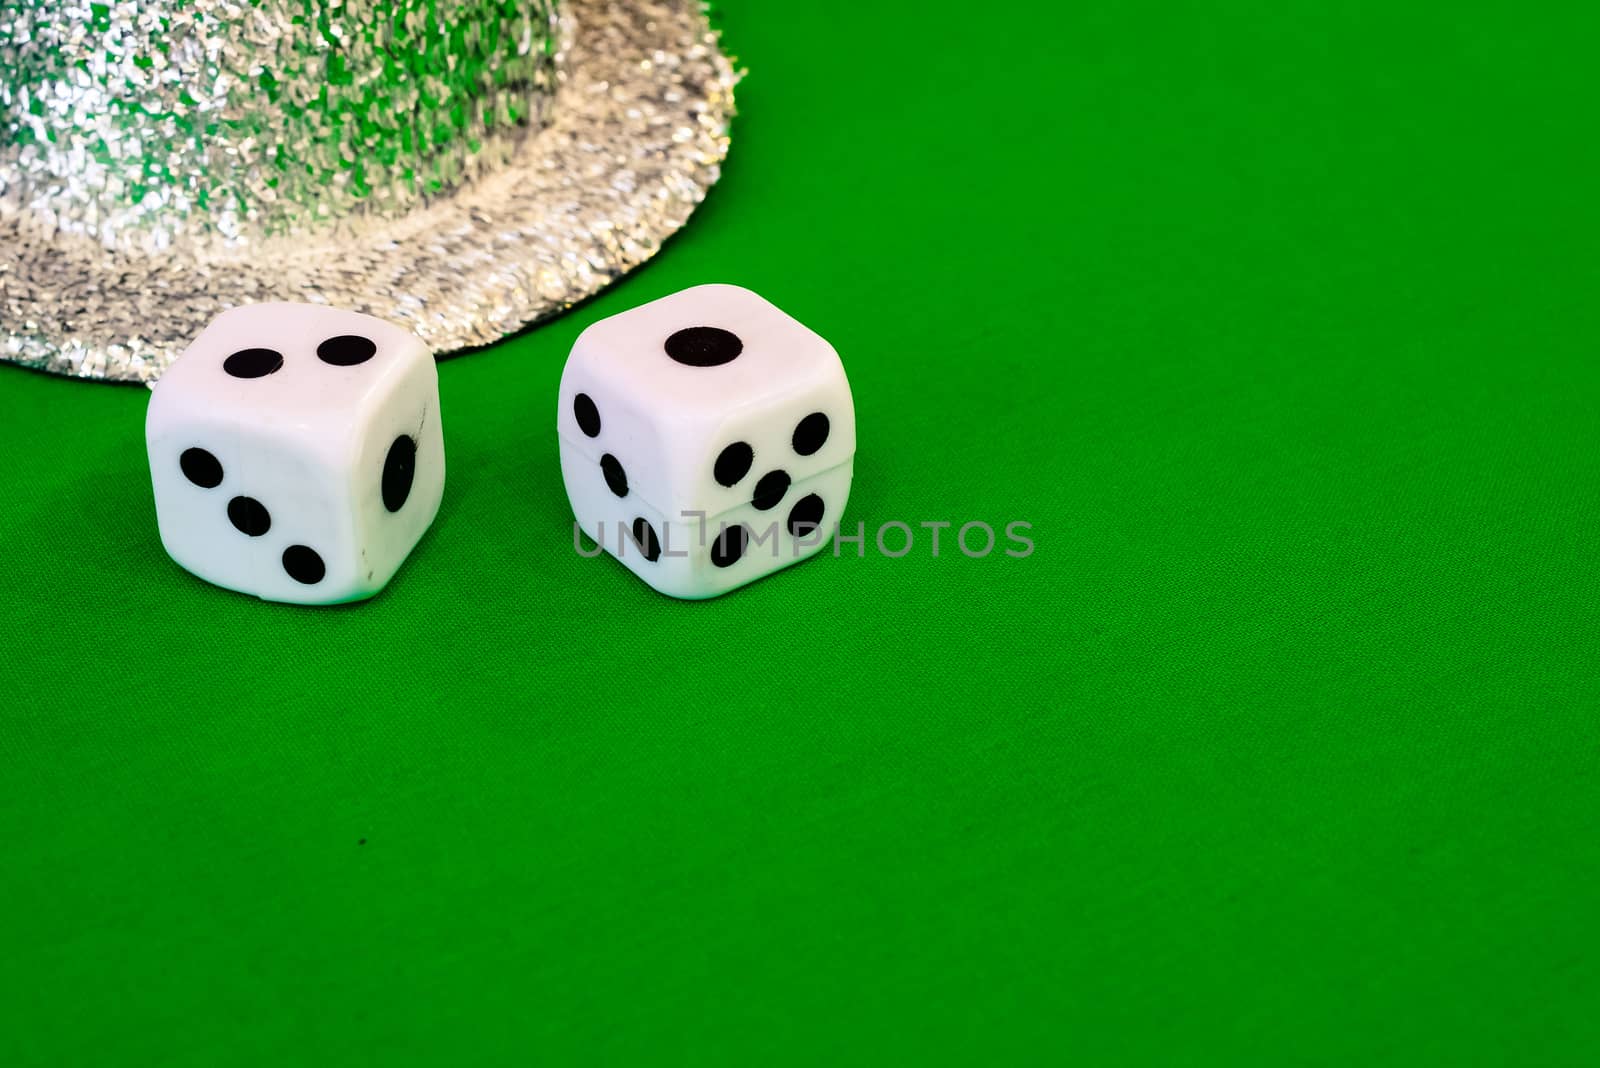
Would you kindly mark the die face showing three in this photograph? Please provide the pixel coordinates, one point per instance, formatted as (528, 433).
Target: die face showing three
(708, 401)
(296, 452)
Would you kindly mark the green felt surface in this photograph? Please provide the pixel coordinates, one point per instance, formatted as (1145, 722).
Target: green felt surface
(1280, 328)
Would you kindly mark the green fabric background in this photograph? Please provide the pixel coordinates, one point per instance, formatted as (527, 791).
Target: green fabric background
(1280, 327)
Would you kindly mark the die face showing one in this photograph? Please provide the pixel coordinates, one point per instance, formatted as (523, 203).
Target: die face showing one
(396, 481)
(708, 401)
(296, 452)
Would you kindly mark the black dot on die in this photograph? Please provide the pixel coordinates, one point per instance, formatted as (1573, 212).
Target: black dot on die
(201, 468)
(303, 564)
(399, 468)
(704, 346)
(253, 363)
(811, 433)
(733, 463)
(587, 414)
(729, 546)
(249, 516)
(770, 490)
(346, 350)
(806, 516)
(616, 477)
(644, 536)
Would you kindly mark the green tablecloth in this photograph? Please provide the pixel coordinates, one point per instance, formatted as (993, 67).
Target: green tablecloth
(1278, 326)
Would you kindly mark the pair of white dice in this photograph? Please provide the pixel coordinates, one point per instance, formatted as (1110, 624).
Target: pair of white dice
(706, 439)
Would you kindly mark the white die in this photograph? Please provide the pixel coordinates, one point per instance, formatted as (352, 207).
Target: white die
(708, 401)
(296, 452)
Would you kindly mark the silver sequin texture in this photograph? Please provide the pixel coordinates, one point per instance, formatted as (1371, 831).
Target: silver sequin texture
(463, 176)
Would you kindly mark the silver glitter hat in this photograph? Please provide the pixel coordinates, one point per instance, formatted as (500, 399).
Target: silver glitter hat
(461, 167)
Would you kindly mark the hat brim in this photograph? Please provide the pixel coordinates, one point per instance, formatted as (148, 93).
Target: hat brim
(637, 134)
